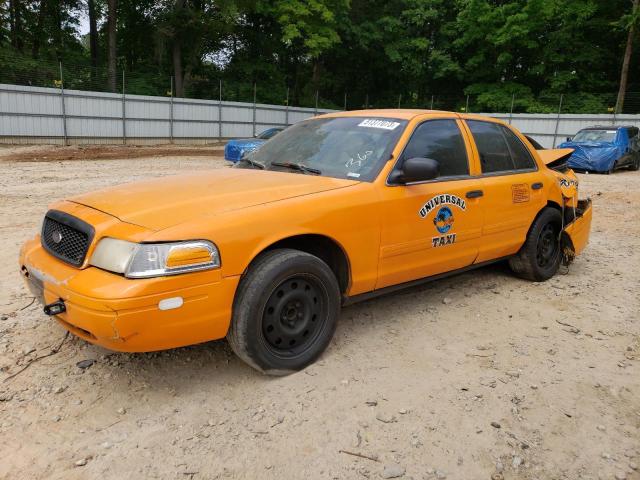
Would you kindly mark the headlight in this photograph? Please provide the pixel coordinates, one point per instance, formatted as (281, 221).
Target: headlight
(144, 260)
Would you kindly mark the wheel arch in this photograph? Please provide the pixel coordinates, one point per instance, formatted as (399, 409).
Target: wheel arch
(322, 246)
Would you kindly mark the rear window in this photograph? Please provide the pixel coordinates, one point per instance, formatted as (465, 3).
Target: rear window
(522, 159)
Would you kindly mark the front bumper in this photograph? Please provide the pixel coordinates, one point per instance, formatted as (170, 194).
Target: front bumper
(123, 314)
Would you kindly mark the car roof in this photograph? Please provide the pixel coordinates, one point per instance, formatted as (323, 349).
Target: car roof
(404, 114)
(607, 127)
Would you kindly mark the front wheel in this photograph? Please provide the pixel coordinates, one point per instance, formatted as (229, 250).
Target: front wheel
(635, 166)
(285, 311)
(539, 258)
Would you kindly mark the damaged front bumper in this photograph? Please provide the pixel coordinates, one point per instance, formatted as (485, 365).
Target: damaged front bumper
(124, 314)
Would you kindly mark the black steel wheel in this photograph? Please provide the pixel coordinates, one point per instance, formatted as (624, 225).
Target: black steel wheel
(540, 255)
(285, 311)
(548, 246)
(294, 315)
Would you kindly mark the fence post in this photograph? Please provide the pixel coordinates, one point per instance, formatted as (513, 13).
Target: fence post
(366, 101)
(64, 111)
(124, 116)
(316, 110)
(171, 114)
(254, 107)
(220, 111)
(555, 133)
(399, 100)
(286, 111)
(513, 99)
(431, 103)
(466, 108)
(345, 101)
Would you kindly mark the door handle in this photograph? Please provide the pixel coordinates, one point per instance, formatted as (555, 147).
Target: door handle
(475, 194)
(536, 186)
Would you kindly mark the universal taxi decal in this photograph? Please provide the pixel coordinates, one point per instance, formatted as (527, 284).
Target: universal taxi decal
(444, 218)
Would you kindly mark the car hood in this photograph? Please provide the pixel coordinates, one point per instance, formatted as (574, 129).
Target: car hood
(164, 202)
(597, 156)
(243, 142)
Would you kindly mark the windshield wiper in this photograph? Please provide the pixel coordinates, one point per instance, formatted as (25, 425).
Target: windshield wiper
(261, 166)
(297, 166)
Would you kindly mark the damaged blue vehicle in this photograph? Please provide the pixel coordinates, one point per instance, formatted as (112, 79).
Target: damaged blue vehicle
(604, 149)
(236, 148)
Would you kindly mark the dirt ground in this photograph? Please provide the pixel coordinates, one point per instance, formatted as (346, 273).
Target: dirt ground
(480, 376)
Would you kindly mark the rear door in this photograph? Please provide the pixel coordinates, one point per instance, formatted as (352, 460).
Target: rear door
(511, 185)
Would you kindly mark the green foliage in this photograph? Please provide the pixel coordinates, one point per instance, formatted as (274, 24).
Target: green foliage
(380, 52)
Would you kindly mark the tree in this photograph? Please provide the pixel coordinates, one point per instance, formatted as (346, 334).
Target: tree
(15, 20)
(39, 28)
(111, 44)
(624, 75)
(308, 29)
(93, 34)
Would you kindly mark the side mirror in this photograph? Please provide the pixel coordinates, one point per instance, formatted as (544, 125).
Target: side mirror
(416, 170)
(569, 139)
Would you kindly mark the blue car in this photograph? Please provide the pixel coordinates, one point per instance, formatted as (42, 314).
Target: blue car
(236, 148)
(604, 149)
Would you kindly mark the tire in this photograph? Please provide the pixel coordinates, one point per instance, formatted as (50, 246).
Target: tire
(539, 258)
(612, 169)
(285, 312)
(635, 166)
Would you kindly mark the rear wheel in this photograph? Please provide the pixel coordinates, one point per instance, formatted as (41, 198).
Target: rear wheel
(539, 258)
(636, 163)
(285, 311)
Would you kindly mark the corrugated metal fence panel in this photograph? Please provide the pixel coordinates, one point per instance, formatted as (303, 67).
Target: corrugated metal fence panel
(542, 127)
(36, 113)
(270, 116)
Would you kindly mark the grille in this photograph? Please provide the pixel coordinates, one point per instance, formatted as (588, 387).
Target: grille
(66, 237)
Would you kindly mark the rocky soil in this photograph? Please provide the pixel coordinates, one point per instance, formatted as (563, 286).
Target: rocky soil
(480, 376)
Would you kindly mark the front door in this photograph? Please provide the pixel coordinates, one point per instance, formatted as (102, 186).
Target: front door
(434, 226)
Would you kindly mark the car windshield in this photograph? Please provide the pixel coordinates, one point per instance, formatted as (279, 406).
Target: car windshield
(267, 134)
(341, 147)
(595, 136)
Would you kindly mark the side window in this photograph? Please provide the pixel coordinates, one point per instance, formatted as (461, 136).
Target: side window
(492, 146)
(522, 158)
(440, 140)
(635, 142)
(633, 137)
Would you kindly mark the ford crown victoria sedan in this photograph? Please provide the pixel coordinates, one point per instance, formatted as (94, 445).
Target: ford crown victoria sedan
(332, 210)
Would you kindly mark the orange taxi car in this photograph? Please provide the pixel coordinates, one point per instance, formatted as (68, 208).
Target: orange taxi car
(332, 210)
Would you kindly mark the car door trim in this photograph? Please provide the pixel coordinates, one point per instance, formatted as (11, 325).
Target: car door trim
(350, 300)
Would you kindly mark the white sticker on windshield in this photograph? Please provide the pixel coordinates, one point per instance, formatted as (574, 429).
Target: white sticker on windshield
(353, 174)
(375, 123)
